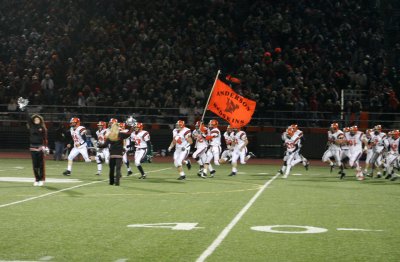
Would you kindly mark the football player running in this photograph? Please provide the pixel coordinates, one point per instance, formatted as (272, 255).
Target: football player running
(199, 135)
(378, 145)
(239, 144)
(393, 142)
(141, 140)
(78, 134)
(214, 149)
(181, 140)
(228, 138)
(292, 157)
(335, 140)
(357, 143)
(102, 154)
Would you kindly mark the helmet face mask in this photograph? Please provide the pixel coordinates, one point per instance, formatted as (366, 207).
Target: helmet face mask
(101, 125)
(180, 124)
(213, 123)
(75, 122)
(334, 127)
(138, 127)
(353, 130)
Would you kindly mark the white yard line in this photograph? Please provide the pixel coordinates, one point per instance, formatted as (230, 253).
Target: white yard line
(65, 189)
(229, 227)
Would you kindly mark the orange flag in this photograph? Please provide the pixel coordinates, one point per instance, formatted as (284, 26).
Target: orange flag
(227, 104)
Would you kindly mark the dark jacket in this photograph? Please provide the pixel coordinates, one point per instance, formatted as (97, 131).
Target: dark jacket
(116, 147)
(37, 133)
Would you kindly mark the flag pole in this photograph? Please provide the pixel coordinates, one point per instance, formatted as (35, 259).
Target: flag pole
(209, 97)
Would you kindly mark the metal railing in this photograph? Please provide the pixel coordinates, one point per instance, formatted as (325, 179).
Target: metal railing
(168, 116)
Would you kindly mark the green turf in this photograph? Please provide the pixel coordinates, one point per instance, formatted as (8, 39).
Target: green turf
(89, 223)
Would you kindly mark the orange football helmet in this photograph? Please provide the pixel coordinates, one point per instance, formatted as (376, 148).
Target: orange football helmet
(295, 127)
(180, 124)
(290, 131)
(334, 127)
(138, 126)
(347, 129)
(75, 122)
(101, 125)
(213, 123)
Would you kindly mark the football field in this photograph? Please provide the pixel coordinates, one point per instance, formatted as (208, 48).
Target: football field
(255, 216)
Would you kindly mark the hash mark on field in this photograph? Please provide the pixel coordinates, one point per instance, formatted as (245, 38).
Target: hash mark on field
(65, 189)
(235, 220)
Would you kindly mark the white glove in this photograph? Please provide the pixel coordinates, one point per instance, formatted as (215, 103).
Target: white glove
(169, 149)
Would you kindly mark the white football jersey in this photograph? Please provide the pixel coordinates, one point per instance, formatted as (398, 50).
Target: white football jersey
(229, 137)
(332, 137)
(239, 139)
(378, 141)
(140, 138)
(101, 135)
(200, 139)
(180, 137)
(77, 134)
(355, 142)
(394, 146)
(216, 134)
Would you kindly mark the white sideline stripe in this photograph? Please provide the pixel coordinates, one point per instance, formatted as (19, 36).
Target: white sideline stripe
(229, 227)
(65, 189)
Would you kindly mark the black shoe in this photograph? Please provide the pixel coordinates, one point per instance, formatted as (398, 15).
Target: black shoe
(200, 172)
(189, 165)
(307, 165)
(251, 154)
(232, 174)
(181, 178)
(142, 176)
(67, 173)
(204, 176)
(342, 174)
(332, 168)
(212, 173)
(394, 178)
(149, 158)
(111, 183)
(369, 175)
(388, 176)
(130, 173)
(280, 172)
(378, 176)
(98, 174)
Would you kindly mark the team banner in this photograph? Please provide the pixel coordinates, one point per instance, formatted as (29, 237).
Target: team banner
(229, 105)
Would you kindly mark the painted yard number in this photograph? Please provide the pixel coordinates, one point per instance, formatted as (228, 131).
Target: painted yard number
(279, 229)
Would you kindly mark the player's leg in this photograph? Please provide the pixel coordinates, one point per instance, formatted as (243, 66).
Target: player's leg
(140, 156)
(118, 166)
(72, 154)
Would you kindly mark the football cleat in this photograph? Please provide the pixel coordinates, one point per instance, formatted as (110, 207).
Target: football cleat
(130, 173)
(36, 183)
(342, 174)
(212, 173)
(41, 183)
(388, 176)
(307, 165)
(142, 176)
(66, 173)
(204, 175)
(181, 178)
(379, 175)
(394, 178)
(232, 174)
(188, 165)
(332, 167)
(98, 174)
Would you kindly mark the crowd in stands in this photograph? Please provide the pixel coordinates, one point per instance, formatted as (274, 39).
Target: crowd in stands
(288, 55)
